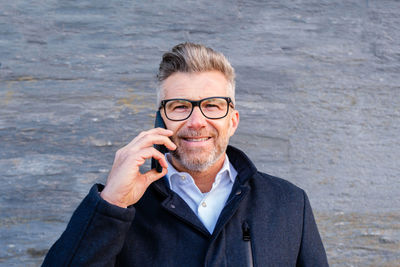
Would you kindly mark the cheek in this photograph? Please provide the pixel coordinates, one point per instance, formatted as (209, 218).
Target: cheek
(223, 129)
(170, 125)
(173, 126)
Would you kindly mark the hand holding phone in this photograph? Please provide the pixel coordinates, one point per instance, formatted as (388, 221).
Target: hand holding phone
(126, 184)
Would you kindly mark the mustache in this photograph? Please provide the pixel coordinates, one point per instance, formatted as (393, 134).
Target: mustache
(186, 133)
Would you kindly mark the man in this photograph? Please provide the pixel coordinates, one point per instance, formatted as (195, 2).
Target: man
(208, 206)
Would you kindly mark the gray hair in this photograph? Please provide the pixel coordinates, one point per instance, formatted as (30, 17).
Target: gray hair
(190, 57)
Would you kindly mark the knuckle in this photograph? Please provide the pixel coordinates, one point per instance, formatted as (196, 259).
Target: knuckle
(141, 134)
(131, 151)
(119, 152)
(144, 135)
(154, 151)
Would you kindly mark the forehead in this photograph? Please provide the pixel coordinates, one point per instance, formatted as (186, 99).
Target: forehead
(195, 86)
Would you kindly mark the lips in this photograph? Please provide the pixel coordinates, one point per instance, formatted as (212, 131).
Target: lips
(192, 139)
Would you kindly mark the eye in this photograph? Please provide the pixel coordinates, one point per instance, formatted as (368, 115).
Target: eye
(213, 105)
(210, 106)
(180, 107)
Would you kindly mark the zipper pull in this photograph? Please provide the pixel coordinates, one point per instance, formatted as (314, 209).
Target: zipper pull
(246, 231)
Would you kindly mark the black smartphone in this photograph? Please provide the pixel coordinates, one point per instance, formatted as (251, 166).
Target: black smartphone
(158, 123)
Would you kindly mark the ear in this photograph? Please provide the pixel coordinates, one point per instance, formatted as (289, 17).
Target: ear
(233, 121)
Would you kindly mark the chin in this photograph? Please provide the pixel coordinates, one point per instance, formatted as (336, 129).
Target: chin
(196, 161)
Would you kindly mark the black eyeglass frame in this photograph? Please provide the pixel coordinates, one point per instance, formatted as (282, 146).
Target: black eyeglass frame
(197, 104)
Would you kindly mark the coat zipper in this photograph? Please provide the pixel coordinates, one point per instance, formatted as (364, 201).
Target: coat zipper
(247, 239)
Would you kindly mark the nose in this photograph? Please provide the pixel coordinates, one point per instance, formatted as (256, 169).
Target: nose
(196, 119)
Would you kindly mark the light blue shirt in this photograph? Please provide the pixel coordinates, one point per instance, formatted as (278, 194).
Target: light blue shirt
(207, 206)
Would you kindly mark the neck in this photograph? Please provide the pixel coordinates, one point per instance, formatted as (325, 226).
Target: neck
(203, 179)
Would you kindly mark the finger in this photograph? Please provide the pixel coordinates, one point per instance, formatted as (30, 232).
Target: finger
(161, 140)
(161, 159)
(145, 139)
(148, 153)
(155, 139)
(154, 175)
(162, 131)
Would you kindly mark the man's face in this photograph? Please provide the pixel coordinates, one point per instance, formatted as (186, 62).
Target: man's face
(201, 142)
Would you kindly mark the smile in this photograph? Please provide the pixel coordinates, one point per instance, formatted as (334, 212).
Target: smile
(202, 139)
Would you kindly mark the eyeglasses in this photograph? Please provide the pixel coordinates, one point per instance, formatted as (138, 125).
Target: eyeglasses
(178, 109)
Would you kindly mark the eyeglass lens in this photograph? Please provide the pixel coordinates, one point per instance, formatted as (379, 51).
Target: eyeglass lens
(213, 108)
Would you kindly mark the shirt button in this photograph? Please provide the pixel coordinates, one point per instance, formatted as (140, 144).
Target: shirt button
(183, 178)
(204, 204)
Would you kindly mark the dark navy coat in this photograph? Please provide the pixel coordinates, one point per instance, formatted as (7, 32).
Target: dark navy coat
(266, 221)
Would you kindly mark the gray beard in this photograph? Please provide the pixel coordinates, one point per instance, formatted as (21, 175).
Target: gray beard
(192, 159)
(193, 163)
(196, 164)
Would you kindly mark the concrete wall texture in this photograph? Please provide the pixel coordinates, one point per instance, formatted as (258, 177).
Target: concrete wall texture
(318, 90)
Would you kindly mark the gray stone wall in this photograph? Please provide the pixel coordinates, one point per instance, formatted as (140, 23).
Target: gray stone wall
(318, 91)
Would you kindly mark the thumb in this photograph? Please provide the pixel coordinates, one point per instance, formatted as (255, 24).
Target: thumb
(154, 175)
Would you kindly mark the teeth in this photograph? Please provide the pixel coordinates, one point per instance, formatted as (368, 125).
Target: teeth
(196, 139)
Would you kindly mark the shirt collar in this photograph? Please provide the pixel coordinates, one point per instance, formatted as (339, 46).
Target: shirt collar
(226, 167)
